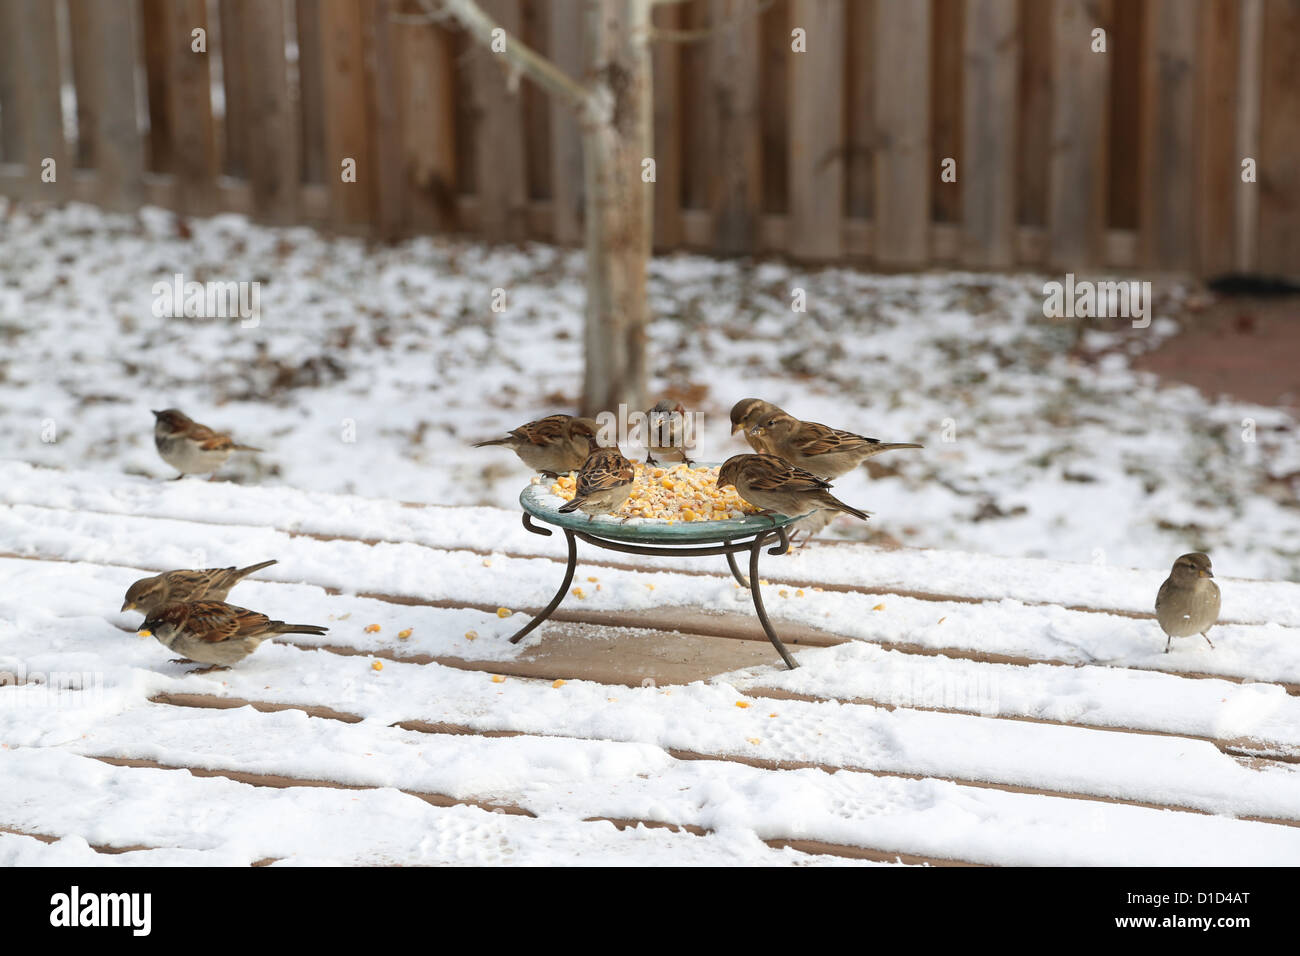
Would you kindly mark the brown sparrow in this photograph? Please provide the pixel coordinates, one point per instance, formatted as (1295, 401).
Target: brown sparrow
(554, 445)
(749, 412)
(604, 482)
(1188, 602)
(178, 587)
(824, 451)
(666, 427)
(775, 485)
(191, 448)
(211, 632)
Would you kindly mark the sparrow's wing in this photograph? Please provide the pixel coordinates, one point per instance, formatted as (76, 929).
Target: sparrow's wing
(769, 473)
(214, 622)
(187, 585)
(813, 438)
(605, 469)
(544, 431)
(208, 439)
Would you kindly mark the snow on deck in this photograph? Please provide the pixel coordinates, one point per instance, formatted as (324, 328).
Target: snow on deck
(949, 707)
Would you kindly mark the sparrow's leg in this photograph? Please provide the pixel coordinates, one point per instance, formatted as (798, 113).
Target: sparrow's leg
(1168, 638)
(177, 478)
(1207, 640)
(210, 668)
(180, 660)
(650, 460)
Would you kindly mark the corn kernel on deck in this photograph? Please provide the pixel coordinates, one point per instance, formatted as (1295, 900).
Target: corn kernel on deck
(673, 494)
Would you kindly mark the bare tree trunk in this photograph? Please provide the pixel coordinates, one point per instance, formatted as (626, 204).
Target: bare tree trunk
(616, 138)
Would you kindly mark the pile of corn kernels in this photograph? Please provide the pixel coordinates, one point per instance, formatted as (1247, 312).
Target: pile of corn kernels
(673, 494)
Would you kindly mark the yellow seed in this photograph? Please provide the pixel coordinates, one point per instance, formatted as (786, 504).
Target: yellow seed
(742, 704)
(771, 715)
(145, 633)
(377, 665)
(504, 612)
(372, 628)
(942, 619)
(878, 607)
(498, 679)
(404, 634)
(754, 740)
(783, 592)
(579, 593)
(592, 579)
(799, 593)
(471, 635)
(557, 684)
(487, 562)
(650, 586)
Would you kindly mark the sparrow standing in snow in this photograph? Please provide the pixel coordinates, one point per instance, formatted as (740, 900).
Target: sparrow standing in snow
(775, 485)
(1188, 602)
(180, 587)
(191, 448)
(603, 484)
(749, 412)
(211, 632)
(666, 424)
(554, 445)
(824, 451)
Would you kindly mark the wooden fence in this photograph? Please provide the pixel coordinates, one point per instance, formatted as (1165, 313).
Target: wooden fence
(1065, 157)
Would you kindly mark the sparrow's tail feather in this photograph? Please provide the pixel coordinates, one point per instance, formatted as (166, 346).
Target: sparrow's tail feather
(890, 446)
(832, 502)
(245, 448)
(244, 572)
(281, 628)
(492, 441)
(571, 505)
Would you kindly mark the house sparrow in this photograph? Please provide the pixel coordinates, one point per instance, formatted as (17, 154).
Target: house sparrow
(191, 448)
(749, 412)
(775, 485)
(604, 482)
(179, 587)
(554, 445)
(1188, 602)
(666, 428)
(211, 632)
(824, 451)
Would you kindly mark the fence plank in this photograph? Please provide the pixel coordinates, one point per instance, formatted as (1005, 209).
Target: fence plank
(816, 132)
(501, 183)
(11, 139)
(565, 47)
(1279, 141)
(311, 91)
(736, 132)
(189, 108)
(427, 99)
(388, 186)
(1249, 54)
(271, 153)
(1077, 171)
(947, 76)
(860, 135)
(903, 170)
(104, 74)
(236, 84)
(39, 112)
(1034, 112)
(988, 169)
(1169, 147)
(153, 24)
(1218, 170)
(347, 135)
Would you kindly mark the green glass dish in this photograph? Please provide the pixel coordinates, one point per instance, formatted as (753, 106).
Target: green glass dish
(538, 501)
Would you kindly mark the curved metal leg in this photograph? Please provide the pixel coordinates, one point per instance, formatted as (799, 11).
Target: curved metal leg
(754, 552)
(559, 595)
(735, 569)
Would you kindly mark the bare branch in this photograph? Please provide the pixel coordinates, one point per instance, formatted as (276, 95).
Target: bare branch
(704, 33)
(522, 59)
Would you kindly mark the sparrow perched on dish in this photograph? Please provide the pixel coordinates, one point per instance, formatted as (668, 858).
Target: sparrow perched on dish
(191, 448)
(603, 484)
(211, 632)
(554, 445)
(666, 427)
(749, 412)
(179, 587)
(824, 451)
(1188, 602)
(775, 485)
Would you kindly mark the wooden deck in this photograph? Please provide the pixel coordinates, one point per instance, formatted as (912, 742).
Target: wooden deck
(473, 697)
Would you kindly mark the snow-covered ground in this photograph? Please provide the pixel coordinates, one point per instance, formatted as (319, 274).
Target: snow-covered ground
(1041, 440)
(994, 692)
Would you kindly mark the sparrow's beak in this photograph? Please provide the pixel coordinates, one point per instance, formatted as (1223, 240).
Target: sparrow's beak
(156, 414)
(145, 633)
(1207, 574)
(128, 606)
(737, 427)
